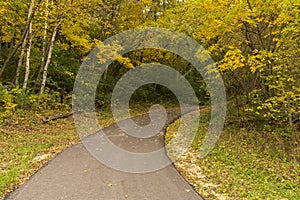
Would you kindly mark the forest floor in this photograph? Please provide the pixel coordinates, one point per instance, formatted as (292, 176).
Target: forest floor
(241, 166)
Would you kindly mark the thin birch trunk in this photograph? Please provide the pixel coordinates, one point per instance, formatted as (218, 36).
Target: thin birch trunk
(28, 48)
(28, 58)
(17, 76)
(45, 71)
(44, 39)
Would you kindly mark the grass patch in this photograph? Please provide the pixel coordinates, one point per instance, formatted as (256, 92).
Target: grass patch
(27, 143)
(246, 163)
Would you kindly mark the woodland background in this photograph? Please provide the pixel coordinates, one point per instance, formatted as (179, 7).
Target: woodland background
(255, 44)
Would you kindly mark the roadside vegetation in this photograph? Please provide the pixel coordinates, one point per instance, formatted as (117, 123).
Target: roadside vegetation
(27, 143)
(248, 162)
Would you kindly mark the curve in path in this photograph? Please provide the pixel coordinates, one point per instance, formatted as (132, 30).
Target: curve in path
(76, 175)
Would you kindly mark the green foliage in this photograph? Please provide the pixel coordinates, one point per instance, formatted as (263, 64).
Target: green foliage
(63, 70)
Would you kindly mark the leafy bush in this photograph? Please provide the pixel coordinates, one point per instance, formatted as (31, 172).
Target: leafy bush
(8, 96)
(12, 97)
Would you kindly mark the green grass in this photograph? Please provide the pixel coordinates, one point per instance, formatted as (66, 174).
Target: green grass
(246, 163)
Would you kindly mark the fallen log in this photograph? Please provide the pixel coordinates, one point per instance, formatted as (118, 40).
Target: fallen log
(55, 117)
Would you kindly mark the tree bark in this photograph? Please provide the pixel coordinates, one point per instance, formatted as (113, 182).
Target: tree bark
(17, 76)
(28, 50)
(48, 59)
(28, 58)
(44, 39)
(21, 40)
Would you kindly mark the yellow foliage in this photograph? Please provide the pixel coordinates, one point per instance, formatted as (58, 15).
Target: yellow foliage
(232, 60)
(126, 62)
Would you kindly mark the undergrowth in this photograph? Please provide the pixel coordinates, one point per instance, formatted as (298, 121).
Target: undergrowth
(248, 162)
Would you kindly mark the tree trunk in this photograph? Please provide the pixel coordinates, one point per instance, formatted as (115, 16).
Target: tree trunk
(17, 76)
(44, 39)
(28, 49)
(21, 40)
(28, 58)
(48, 59)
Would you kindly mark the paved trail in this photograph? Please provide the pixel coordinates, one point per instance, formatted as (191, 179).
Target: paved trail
(76, 175)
